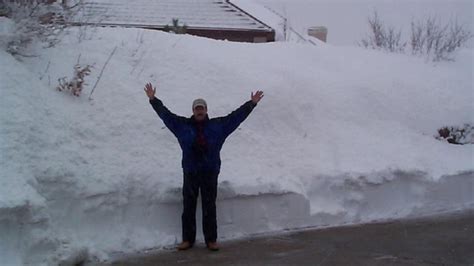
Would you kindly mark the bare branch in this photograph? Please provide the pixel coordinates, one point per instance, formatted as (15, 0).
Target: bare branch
(102, 72)
(429, 38)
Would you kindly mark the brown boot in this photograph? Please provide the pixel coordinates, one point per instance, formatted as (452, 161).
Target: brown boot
(213, 246)
(185, 245)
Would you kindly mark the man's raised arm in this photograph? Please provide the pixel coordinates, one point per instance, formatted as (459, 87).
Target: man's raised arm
(171, 120)
(234, 119)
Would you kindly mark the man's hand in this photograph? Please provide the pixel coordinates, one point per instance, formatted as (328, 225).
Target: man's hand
(150, 91)
(256, 97)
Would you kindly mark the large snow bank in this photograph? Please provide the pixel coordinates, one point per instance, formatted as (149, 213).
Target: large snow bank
(343, 135)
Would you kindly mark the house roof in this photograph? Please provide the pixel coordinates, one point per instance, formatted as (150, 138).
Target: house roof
(196, 14)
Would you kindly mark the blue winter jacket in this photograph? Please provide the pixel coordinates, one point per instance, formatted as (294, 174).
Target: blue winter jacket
(215, 131)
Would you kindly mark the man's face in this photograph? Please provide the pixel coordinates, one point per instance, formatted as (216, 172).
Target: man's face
(200, 113)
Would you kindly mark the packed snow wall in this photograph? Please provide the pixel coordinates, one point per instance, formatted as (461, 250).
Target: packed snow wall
(342, 136)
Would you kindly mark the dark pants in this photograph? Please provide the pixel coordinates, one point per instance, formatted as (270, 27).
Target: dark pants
(207, 182)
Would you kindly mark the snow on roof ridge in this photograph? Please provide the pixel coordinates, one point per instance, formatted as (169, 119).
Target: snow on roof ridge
(250, 15)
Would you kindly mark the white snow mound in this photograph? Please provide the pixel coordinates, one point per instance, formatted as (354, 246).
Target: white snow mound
(343, 135)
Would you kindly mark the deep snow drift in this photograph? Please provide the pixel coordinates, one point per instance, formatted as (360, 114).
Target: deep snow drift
(343, 135)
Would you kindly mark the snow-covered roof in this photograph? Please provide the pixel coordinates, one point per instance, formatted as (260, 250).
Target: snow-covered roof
(264, 14)
(283, 30)
(157, 13)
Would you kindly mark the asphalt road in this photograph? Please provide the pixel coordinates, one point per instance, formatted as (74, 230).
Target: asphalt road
(440, 240)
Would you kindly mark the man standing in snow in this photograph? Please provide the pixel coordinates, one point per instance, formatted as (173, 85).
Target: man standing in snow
(201, 140)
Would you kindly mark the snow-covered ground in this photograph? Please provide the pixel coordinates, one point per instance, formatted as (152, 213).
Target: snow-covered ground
(343, 135)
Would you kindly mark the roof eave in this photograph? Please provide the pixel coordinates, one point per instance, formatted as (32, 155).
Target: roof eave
(161, 27)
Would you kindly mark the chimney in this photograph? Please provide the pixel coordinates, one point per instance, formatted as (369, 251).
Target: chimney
(320, 33)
